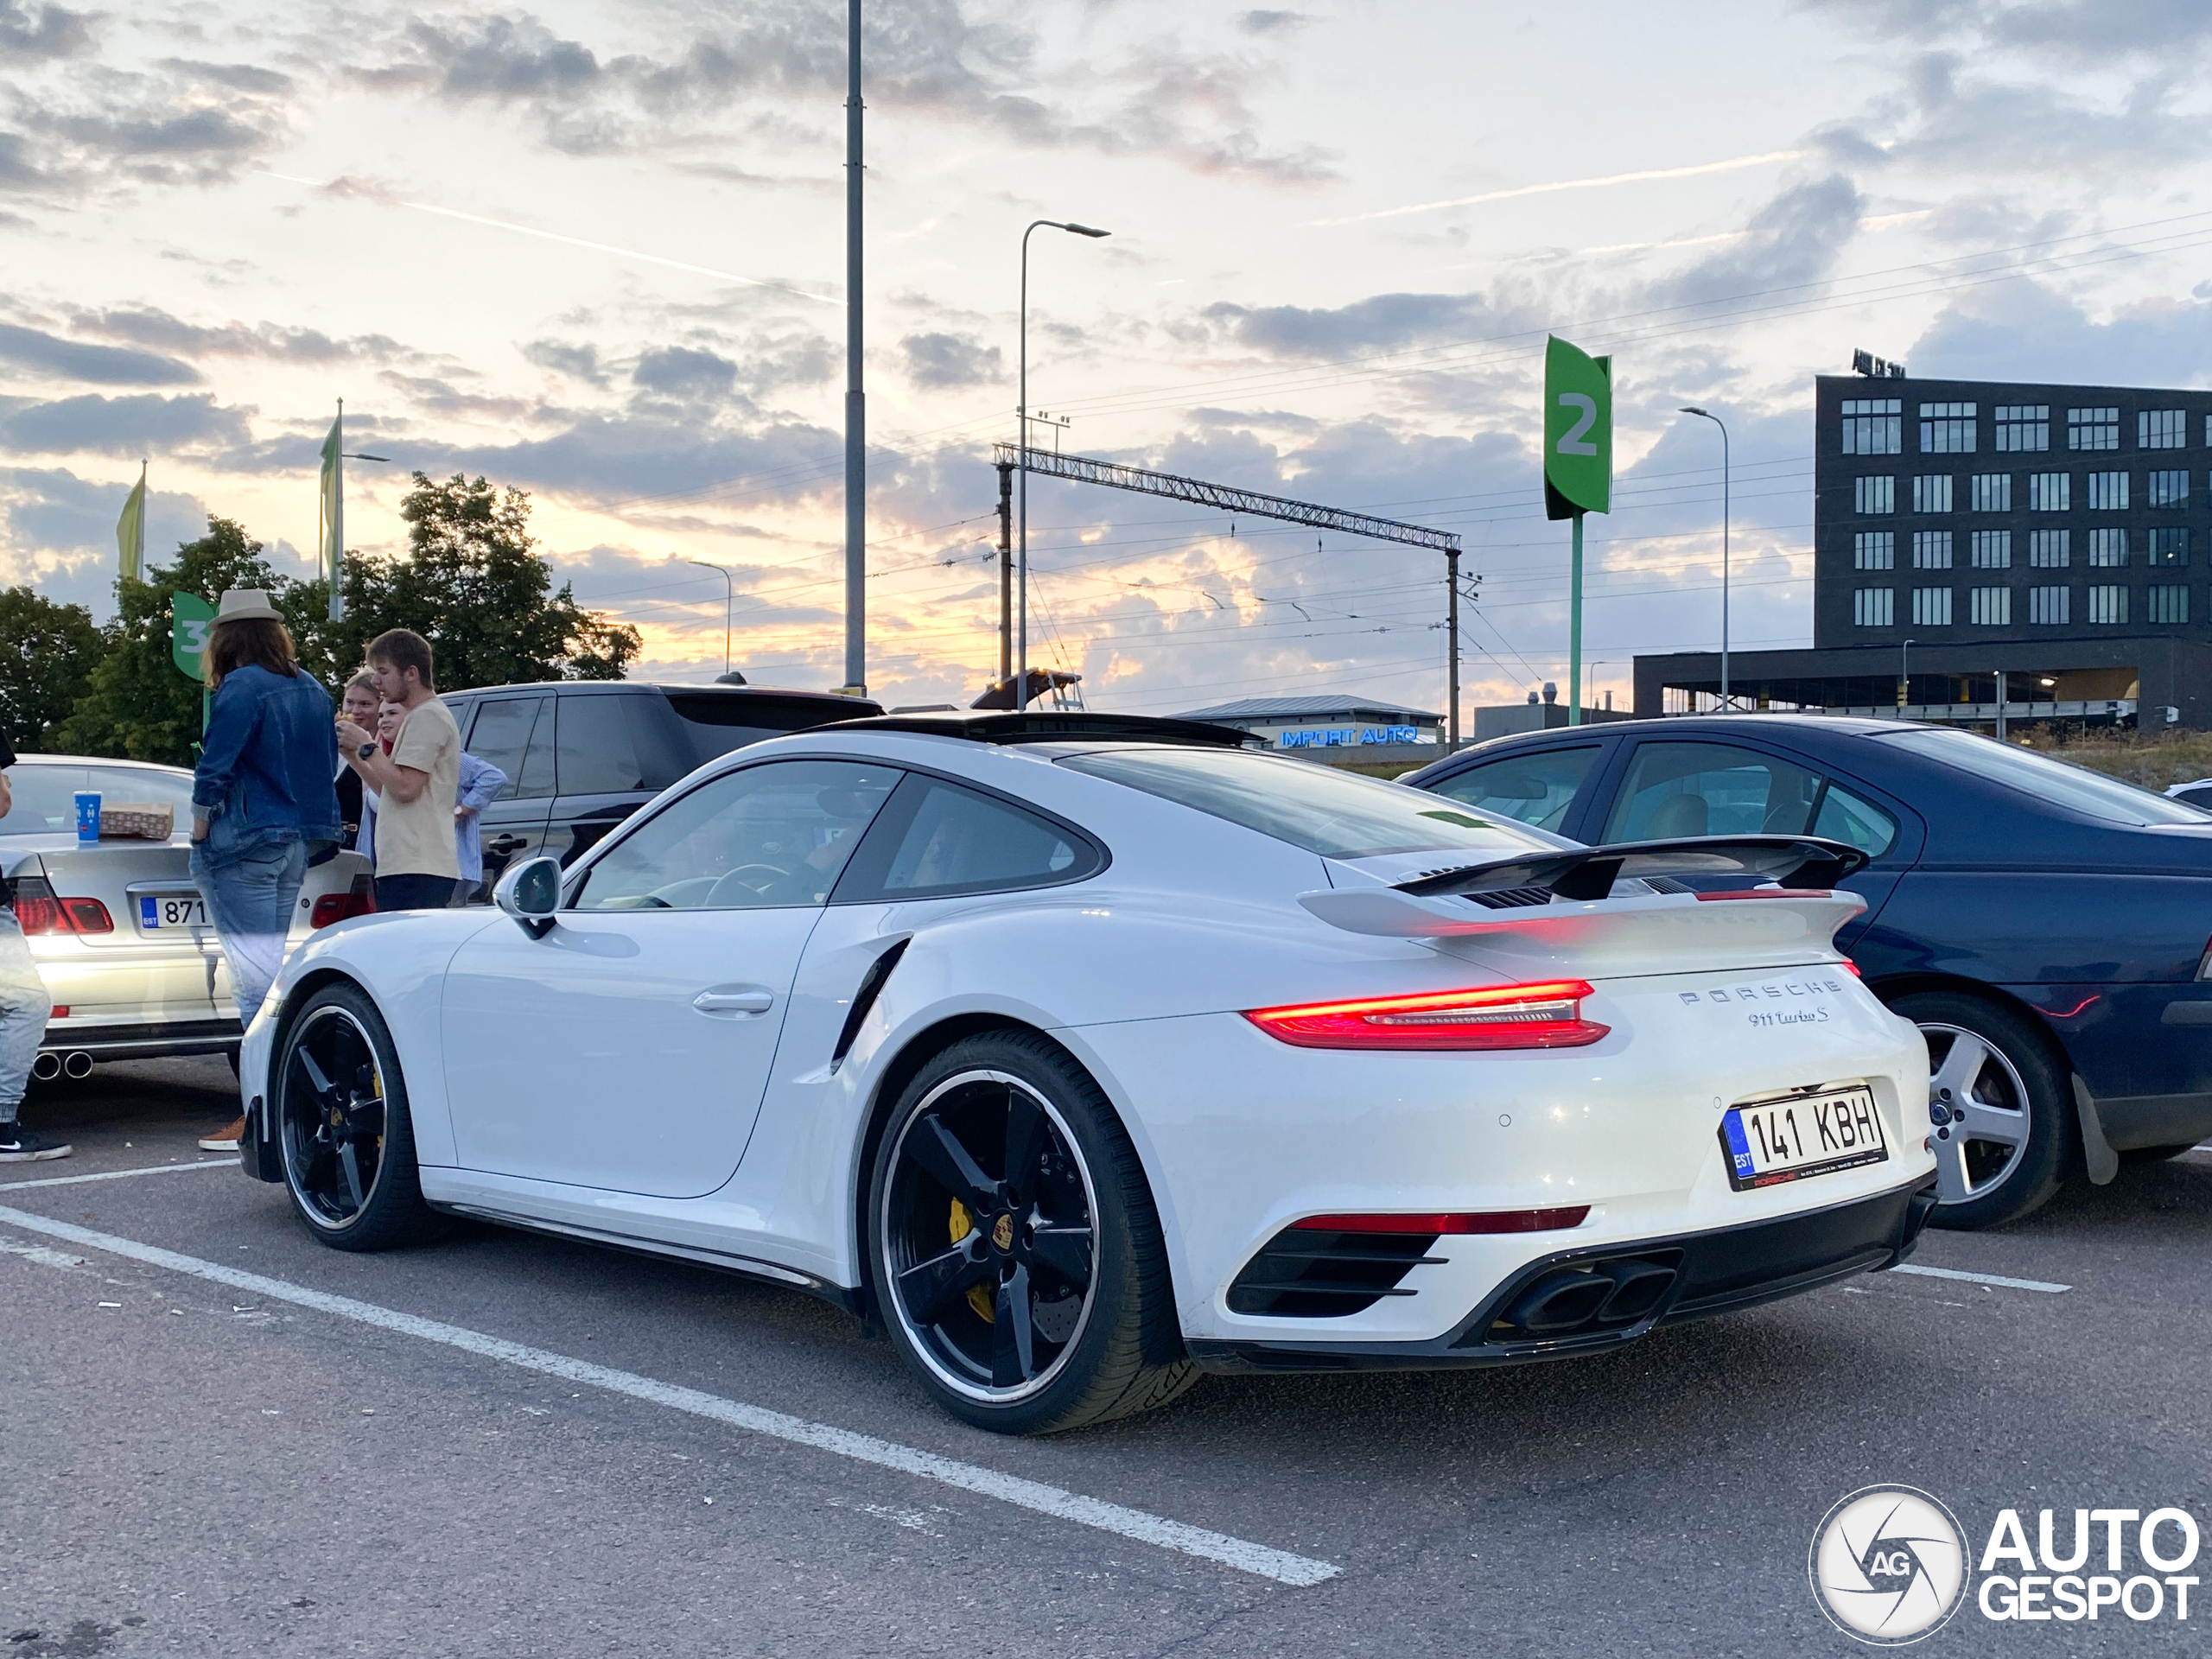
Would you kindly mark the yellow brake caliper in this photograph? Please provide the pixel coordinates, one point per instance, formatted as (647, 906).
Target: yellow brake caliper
(978, 1298)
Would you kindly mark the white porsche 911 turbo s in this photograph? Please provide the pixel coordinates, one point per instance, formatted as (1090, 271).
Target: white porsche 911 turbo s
(1083, 1053)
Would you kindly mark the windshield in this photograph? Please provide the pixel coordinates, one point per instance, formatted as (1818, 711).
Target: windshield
(2059, 782)
(1336, 813)
(46, 796)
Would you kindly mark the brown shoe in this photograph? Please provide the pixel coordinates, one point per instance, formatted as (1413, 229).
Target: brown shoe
(226, 1140)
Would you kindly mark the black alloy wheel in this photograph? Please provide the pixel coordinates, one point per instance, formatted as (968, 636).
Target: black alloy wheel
(347, 1143)
(1015, 1247)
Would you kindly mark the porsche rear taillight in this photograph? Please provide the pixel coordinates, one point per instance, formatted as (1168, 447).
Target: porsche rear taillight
(1548, 1015)
(38, 911)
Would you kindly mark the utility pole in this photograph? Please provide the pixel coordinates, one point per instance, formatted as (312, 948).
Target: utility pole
(1451, 628)
(855, 398)
(2000, 705)
(1006, 572)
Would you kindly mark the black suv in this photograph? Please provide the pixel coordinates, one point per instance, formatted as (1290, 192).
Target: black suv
(580, 756)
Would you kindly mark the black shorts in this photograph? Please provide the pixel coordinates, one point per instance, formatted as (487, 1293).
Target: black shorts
(414, 891)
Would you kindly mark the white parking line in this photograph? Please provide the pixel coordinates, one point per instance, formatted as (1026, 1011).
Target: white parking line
(1245, 1556)
(122, 1174)
(1982, 1278)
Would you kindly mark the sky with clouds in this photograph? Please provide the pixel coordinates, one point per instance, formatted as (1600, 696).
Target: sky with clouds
(596, 252)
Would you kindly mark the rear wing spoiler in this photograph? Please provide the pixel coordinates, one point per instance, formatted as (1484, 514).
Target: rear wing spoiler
(1588, 873)
(1512, 893)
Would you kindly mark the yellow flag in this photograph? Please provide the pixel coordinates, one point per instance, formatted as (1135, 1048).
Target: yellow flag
(130, 529)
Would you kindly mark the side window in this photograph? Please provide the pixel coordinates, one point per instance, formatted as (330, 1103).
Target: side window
(1536, 788)
(502, 738)
(939, 839)
(766, 836)
(1712, 789)
(1843, 816)
(613, 744)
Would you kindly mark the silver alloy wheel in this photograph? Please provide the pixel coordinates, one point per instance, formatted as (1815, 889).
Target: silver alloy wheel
(1024, 1237)
(1977, 1111)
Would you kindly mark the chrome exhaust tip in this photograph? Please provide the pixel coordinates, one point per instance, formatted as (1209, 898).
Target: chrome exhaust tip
(77, 1065)
(47, 1067)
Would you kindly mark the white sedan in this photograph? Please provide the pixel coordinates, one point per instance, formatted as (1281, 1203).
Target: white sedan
(1083, 1053)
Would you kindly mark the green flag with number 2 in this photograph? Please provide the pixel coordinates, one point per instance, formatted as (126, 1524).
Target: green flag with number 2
(1578, 431)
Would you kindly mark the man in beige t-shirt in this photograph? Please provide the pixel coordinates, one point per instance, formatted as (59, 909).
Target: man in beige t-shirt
(416, 784)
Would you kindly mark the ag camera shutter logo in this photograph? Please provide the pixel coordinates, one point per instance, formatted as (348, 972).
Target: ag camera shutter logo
(1889, 1565)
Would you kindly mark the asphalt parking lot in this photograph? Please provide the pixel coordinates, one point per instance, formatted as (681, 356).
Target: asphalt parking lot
(194, 1462)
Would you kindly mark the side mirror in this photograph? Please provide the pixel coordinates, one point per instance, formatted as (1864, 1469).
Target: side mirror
(530, 892)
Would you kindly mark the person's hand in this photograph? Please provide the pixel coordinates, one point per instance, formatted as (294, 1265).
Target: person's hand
(351, 737)
(463, 814)
(198, 828)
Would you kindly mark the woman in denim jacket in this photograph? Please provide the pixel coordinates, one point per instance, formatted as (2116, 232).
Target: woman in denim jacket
(263, 801)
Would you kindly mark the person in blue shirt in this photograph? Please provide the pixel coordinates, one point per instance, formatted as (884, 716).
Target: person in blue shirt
(264, 799)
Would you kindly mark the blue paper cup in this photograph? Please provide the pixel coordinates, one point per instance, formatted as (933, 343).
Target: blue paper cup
(88, 815)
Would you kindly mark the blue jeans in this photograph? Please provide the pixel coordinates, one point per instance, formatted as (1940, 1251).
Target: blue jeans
(250, 901)
(24, 1006)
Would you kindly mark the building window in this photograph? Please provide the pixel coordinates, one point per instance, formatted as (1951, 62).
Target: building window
(2107, 547)
(1992, 550)
(1990, 608)
(2092, 428)
(2047, 493)
(1947, 429)
(1990, 493)
(2161, 428)
(2046, 607)
(1869, 426)
(2166, 490)
(1874, 607)
(2048, 550)
(1874, 550)
(1931, 549)
(2023, 428)
(2107, 492)
(2167, 547)
(1931, 607)
(2166, 602)
(1931, 493)
(1874, 494)
(2109, 604)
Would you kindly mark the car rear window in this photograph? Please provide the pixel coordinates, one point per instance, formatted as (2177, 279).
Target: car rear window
(718, 724)
(1336, 813)
(46, 796)
(2056, 781)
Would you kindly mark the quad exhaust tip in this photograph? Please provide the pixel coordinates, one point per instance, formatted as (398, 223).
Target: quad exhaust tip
(1602, 1295)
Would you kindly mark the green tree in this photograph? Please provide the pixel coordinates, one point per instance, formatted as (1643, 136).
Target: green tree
(474, 585)
(138, 705)
(48, 653)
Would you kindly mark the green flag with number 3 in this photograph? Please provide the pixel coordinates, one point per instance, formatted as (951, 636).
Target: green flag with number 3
(1578, 431)
(189, 617)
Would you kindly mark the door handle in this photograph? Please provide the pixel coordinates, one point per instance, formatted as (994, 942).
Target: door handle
(506, 844)
(746, 1001)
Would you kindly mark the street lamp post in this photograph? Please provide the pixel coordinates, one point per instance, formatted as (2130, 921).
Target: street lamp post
(1904, 676)
(1692, 409)
(1019, 689)
(729, 603)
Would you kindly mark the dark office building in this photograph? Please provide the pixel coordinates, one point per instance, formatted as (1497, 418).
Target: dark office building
(2059, 535)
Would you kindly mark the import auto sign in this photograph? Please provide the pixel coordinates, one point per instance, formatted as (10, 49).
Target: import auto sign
(1578, 431)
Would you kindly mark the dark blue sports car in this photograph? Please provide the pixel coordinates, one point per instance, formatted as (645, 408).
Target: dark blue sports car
(2048, 929)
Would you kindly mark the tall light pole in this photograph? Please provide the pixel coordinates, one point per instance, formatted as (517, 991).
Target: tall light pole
(1692, 409)
(1904, 676)
(855, 399)
(1020, 689)
(729, 603)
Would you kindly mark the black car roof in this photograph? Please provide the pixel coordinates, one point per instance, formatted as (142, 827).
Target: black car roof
(1053, 726)
(736, 693)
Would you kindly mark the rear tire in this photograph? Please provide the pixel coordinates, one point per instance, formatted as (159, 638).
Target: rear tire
(2008, 1135)
(1013, 1246)
(344, 1135)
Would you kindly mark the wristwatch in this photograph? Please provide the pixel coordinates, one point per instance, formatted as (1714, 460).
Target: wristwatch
(366, 750)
